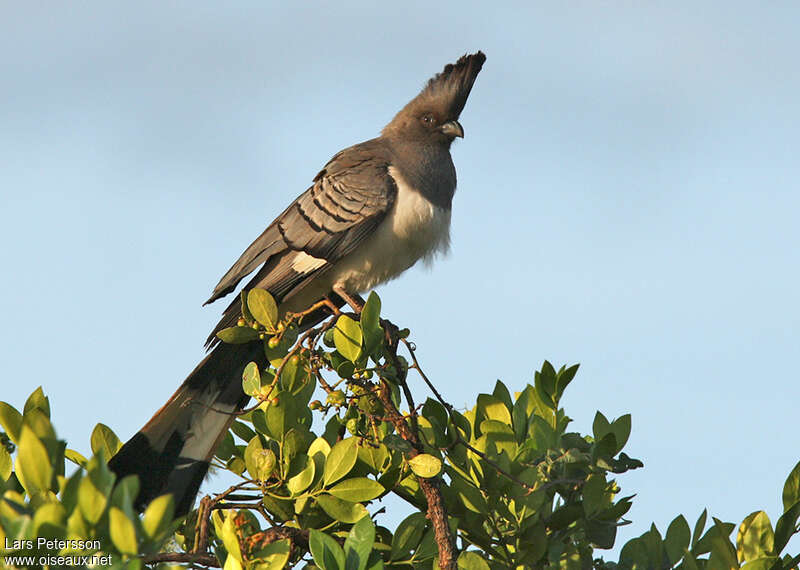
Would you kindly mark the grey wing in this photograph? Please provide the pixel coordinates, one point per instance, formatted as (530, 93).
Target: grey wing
(348, 200)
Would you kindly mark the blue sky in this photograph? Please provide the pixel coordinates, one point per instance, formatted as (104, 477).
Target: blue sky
(627, 199)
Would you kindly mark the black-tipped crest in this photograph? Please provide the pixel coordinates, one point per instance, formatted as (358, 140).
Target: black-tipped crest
(446, 93)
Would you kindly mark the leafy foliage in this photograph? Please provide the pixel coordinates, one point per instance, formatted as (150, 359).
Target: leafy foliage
(504, 484)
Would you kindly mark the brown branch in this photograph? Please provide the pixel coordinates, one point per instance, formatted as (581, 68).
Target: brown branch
(437, 512)
(296, 537)
(201, 530)
(186, 557)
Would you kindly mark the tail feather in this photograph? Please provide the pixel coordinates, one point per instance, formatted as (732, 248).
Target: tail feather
(171, 453)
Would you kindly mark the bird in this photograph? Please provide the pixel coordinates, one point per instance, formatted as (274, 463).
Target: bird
(373, 211)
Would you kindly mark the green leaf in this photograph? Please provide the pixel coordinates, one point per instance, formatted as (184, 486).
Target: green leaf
(294, 373)
(263, 307)
(786, 527)
(75, 457)
(49, 518)
(158, 516)
(34, 469)
(246, 314)
(37, 400)
(347, 337)
(472, 561)
(226, 447)
(545, 384)
(243, 431)
(358, 545)
(791, 489)
(123, 533)
(755, 538)
(11, 420)
(340, 460)
(374, 457)
(357, 489)
(723, 555)
(699, 526)
(501, 436)
(280, 415)
(327, 553)
(260, 462)
(320, 446)
(564, 377)
(425, 465)
(104, 438)
(226, 530)
(91, 500)
(491, 408)
(407, 536)
(69, 491)
(677, 540)
(38, 421)
(237, 335)
(283, 510)
(302, 471)
(595, 497)
(427, 546)
(5, 464)
(469, 495)
(341, 510)
(720, 529)
(501, 393)
(124, 493)
(251, 379)
(600, 427)
(371, 323)
(274, 556)
(621, 428)
(346, 369)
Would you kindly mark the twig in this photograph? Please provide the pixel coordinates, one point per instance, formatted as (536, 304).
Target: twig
(437, 512)
(187, 557)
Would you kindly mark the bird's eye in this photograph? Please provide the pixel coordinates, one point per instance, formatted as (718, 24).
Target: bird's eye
(428, 120)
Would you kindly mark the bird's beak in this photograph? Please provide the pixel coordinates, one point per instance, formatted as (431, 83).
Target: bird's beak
(452, 129)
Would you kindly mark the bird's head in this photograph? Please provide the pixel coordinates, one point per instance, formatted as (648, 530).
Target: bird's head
(432, 116)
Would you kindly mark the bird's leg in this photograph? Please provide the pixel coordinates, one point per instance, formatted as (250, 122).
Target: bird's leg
(354, 300)
(327, 303)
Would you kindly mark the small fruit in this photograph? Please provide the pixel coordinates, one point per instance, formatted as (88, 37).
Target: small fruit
(337, 398)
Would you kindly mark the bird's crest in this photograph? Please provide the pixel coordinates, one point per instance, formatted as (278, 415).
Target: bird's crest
(446, 92)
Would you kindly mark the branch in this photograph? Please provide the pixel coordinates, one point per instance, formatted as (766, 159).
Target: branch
(437, 512)
(188, 557)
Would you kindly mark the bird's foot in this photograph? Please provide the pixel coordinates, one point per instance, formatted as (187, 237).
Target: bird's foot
(354, 300)
(324, 303)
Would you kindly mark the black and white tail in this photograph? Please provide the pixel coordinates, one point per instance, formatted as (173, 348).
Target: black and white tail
(171, 453)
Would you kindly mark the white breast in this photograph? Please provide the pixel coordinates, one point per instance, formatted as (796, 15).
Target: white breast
(414, 229)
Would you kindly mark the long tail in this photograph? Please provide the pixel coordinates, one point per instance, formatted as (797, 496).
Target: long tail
(171, 453)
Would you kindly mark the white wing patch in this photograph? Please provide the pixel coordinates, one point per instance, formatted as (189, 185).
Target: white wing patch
(304, 263)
